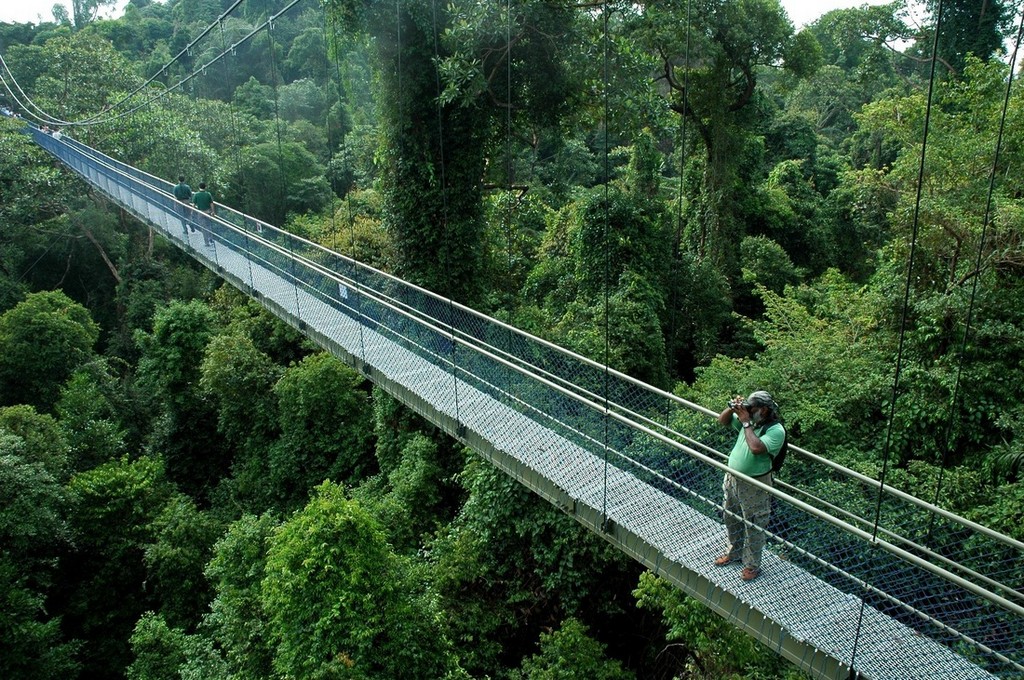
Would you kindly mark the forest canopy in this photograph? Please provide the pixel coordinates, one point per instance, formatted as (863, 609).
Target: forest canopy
(712, 205)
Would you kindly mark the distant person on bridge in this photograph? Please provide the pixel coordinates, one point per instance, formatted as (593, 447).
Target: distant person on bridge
(747, 508)
(183, 193)
(203, 200)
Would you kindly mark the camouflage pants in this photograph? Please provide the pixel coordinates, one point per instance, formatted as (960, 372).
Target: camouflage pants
(754, 507)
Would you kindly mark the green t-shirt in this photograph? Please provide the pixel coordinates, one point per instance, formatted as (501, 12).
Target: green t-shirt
(742, 459)
(203, 200)
(182, 191)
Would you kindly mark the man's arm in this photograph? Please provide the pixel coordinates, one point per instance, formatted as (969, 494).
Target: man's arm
(725, 417)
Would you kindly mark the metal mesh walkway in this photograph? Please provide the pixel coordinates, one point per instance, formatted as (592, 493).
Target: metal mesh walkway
(932, 596)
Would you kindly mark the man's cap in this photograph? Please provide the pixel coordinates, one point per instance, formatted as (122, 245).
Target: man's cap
(762, 398)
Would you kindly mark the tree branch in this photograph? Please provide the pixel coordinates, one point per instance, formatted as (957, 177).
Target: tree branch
(103, 253)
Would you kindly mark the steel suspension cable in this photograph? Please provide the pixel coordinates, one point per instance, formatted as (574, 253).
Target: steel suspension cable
(677, 250)
(24, 101)
(607, 259)
(445, 225)
(219, 22)
(197, 71)
(102, 117)
(330, 28)
(985, 222)
(508, 157)
(887, 447)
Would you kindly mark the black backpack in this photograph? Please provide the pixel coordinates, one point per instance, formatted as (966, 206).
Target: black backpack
(779, 458)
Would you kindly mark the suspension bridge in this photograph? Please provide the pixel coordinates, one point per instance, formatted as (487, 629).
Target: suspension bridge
(919, 593)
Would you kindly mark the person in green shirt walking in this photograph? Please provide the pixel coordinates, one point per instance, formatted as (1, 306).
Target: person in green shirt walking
(203, 200)
(760, 436)
(183, 192)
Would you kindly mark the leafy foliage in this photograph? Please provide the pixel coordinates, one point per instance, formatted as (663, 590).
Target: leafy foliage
(703, 199)
(113, 514)
(341, 603)
(326, 425)
(43, 339)
(569, 654)
(705, 645)
(33, 530)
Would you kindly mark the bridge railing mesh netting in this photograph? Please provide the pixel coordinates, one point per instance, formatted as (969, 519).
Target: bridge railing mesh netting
(938, 574)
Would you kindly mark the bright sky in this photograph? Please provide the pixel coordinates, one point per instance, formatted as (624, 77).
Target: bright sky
(32, 11)
(800, 12)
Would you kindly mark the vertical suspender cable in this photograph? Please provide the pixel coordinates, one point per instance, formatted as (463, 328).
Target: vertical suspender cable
(327, 123)
(677, 250)
(235, 148)
(903, 316)
(508, 161)
(280, 153)
(607, 260)
(277, 114)
(234, 121)
(359, 299)
(444, 211)
(977, 267)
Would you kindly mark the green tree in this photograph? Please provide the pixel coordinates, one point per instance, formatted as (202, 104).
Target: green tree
(766, 263)
(103, 579)
(99, 415)
(159, 649)
(183, 539)
(341, 603)
(326, 428)
(237, 621)
(85, 11)
(43, 439)
(825, 359)
(278, 179)
(442, 79)
(307, 56)
(42, 341)
(725, 43)
(240, 379)
(169, 371)
(33, 531)
(862, 58)
(624, 331)
(84, 74)
(568, 653)
(968, 27)
(408, 501)
(511, 564)
(699, 313)
(162, 652)
(956, 273)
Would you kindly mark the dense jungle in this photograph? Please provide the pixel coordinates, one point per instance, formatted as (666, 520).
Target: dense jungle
(691, 191)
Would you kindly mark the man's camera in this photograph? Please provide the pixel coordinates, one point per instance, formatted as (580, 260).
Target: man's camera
(739, 402)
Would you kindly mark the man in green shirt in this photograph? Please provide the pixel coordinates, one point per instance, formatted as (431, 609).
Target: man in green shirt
(183, 193)
(203, 201)
(760, 437)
